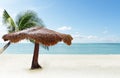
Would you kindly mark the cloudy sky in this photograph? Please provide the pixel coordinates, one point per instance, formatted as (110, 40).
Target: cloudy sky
(88, 21)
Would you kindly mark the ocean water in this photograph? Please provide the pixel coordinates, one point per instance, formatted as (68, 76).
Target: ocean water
(75, 48)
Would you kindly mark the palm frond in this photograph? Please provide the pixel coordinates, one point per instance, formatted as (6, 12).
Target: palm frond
(45, 47)
(7, 20)
(28, 19)
(6, 16)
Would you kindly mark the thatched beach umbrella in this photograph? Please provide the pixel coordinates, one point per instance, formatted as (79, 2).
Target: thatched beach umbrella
(40, 35)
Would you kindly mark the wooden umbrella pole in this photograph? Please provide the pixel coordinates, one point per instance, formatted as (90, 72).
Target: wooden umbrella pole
(35, 63)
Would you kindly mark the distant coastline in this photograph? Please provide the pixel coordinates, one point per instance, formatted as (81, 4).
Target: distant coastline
(75, 48)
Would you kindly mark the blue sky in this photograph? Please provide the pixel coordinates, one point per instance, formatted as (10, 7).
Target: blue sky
(88, 21)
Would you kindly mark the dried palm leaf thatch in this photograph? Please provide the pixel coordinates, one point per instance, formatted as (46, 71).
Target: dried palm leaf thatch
(40, 35)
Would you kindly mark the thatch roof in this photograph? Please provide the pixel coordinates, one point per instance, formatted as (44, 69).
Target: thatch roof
(40, 35)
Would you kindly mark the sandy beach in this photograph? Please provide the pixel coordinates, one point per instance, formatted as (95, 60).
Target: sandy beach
(60, 66)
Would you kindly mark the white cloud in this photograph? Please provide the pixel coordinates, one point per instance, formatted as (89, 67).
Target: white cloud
(110, 39)
(82, 38)
(76, 35)
(92, 37)
(64, 28)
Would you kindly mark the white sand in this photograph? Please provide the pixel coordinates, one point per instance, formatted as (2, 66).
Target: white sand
(60, 66)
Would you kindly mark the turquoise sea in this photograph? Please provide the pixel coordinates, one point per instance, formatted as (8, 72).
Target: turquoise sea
(75, 48)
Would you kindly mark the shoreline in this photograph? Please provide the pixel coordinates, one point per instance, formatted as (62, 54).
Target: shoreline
(60, 66)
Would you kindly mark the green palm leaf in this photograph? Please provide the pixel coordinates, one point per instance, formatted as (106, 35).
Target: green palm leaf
(7, 20)
(28, 19)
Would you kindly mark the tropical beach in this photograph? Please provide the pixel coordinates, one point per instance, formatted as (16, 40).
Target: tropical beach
(59, 39)
(60, 66)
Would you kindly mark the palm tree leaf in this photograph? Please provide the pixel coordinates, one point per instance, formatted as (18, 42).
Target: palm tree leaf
(5, 16)
(27, 25)
(45, 47)
(28, 18)
(7, 20)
